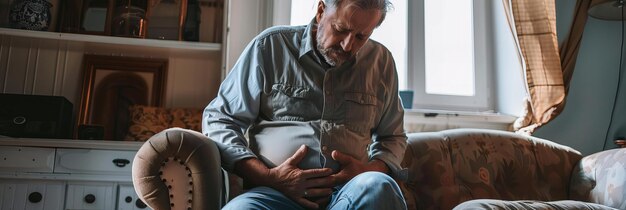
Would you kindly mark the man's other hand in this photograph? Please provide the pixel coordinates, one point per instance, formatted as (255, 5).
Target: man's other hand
(310, 188)
(351, 167)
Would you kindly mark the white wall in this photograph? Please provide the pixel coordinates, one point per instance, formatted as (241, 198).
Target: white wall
(509, 82)
(40, 67)
(247, 18)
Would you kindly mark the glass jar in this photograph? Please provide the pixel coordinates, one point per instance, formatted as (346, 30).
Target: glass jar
(129, 21)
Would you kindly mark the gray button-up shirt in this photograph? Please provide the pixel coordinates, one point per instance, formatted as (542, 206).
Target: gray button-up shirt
(283, 96)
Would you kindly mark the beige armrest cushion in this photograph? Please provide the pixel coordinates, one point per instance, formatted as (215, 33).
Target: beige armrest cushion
(195, 151)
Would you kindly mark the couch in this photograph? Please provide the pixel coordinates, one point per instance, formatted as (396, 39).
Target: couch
(451, 169)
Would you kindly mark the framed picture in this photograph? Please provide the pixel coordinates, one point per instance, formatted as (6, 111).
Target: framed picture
(85, 16)
(112, 84)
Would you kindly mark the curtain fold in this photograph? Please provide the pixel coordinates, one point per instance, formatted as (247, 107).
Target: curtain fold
(533, 23)
(569, 48)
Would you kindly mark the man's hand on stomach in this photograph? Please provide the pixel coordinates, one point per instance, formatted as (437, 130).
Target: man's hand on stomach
(310, 188)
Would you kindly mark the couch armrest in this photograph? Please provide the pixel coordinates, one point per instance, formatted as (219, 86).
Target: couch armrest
(601, 178)
(178, 169)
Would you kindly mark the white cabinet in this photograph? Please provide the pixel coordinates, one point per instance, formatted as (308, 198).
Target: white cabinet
(92, 161)
(127, 199)
(89, 196)
(27, 159)
(31, 195)
(55, 174)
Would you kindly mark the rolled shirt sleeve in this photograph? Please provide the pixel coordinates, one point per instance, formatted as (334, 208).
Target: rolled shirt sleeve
(390, 141)
(236, 107)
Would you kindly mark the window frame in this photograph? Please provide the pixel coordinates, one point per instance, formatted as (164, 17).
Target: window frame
(483, 98)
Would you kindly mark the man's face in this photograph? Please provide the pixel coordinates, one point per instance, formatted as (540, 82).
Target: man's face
(342, 31)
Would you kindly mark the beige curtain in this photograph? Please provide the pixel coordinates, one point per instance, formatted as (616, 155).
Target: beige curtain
(546, 71)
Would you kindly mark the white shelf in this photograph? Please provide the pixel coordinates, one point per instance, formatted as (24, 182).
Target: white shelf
(71, 143)
(112, 40)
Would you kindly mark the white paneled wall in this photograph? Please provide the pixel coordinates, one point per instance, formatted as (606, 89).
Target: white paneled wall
(40, 67)
(53, 67)
(192, 82)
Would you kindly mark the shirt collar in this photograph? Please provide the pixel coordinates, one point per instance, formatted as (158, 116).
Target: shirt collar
(308, 46)
(307, 39)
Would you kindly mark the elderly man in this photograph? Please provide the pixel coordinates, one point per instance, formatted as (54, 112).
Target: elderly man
(321, 110)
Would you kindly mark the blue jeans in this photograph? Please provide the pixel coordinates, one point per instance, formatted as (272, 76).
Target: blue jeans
(370, 190)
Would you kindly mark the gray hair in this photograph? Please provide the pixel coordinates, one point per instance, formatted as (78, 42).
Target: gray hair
(382, 5)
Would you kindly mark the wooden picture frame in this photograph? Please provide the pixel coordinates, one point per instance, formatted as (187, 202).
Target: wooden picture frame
(111, 84)
(74, 15)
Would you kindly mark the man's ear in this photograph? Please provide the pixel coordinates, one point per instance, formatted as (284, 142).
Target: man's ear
(320, 11)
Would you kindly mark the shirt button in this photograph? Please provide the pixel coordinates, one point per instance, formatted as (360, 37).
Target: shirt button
(324, 148)
(326, 126)
(328, 92)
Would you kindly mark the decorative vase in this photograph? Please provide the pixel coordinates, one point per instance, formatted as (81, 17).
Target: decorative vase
(30, 15)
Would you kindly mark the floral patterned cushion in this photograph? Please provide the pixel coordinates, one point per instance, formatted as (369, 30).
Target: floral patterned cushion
(601, 178)
(449, 167)
(147, 120)
(188, 118)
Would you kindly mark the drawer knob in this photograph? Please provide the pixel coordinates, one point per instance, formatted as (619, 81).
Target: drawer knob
(35, 197)
(90, 198)
(19, 120)
(140, 204)
(128, 199)
(121, 162)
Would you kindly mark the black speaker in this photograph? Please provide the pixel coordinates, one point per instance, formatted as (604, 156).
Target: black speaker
(35, 116)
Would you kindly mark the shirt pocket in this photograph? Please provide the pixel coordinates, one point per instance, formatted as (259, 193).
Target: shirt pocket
(361, 111)
(292, 103)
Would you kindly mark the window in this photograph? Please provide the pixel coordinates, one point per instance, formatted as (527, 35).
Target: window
(302, 12)
(444, 21)
(448, 55)
(439, 47)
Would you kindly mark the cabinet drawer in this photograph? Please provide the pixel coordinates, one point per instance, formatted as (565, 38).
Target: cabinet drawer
(31, 195)
(89, 196)
(26, 159)
(90, 161)
(128, 200)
